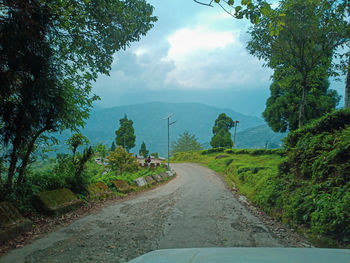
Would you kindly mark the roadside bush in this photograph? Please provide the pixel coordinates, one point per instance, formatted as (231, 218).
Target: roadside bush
(121, 161)
(192, 156)
(213, 150)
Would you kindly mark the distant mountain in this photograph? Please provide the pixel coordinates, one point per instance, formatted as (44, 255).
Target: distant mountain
(151, 128)
(259, 137)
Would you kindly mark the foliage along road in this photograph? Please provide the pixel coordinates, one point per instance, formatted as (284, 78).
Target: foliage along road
(193, 210)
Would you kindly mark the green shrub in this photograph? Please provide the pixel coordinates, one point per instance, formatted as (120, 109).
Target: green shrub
(213, 150)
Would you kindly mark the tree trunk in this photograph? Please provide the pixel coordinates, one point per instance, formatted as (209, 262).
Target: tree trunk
(26, 156)
(13, 162)
(347, 87)
(302, 104)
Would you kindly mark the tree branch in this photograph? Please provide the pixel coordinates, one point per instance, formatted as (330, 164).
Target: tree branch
(201, 3)
(228, 12)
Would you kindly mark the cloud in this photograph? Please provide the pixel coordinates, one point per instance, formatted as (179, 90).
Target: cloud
(186, 41)
(209, 59)
(190, 48)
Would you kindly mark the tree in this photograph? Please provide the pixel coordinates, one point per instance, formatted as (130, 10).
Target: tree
(80, 181)
(75, 141)
(282, 105)
(221, 131)
(121, 161)
(307, 55)
(221, 139)
(125, 134)
(51, 52)
(143, 151)
(185, 142)
(113, 146)
(337, 13)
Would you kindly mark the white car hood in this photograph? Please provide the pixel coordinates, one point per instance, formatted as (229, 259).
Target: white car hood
(245, 255)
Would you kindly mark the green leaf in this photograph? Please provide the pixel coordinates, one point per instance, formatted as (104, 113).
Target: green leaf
(265, 9)
(230, 2)
(250, 6)
(217, 1)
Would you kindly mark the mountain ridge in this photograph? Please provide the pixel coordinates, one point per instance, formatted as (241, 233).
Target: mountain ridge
(150, 126)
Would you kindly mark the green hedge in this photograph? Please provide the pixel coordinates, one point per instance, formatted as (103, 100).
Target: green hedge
(244, 151)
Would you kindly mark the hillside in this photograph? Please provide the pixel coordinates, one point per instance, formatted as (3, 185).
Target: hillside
(150, 126)
(259, 137)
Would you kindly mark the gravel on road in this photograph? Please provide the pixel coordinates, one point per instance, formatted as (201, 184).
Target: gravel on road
(195, 209)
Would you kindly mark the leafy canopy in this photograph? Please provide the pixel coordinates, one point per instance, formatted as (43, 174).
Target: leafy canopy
(47, 68)
(75, 141)
(125, 134)
(303, 48)
(282, 105)
(221, 131)
(185, 142)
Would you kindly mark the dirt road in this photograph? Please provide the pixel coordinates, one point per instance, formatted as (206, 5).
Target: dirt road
(193, 210)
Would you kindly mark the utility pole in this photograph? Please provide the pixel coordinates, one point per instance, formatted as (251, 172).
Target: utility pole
(169, 123)
(234, 134)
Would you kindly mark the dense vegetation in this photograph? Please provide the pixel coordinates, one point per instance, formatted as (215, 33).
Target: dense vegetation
(51, 52)
(306, 185)
(60, 172)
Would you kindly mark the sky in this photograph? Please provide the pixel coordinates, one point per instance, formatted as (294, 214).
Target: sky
(193, 53)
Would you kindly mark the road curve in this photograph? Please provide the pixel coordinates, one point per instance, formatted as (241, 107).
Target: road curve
(193, 210)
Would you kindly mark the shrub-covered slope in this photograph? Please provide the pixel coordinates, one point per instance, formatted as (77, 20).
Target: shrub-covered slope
(317, 176)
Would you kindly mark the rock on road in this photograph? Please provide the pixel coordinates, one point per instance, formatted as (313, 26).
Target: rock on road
(193, 210)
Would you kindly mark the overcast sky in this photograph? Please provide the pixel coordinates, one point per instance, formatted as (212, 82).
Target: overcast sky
(193, 53)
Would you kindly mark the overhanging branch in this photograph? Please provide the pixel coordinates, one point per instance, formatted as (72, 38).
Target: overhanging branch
(201, 3)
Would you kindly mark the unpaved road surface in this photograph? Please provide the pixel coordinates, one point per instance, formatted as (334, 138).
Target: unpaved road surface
(193, 210)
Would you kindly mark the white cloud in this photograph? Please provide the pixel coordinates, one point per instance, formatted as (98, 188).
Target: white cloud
(207, 59)
(187, 41)
(140, 51)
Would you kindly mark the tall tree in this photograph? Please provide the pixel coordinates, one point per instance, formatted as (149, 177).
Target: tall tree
(125, 134)
(221, 131)
(305, 46)
(143, 150)
(185, 142)
(51, 51)
(283, 103)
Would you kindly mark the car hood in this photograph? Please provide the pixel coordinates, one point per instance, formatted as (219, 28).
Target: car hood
(245, 255)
